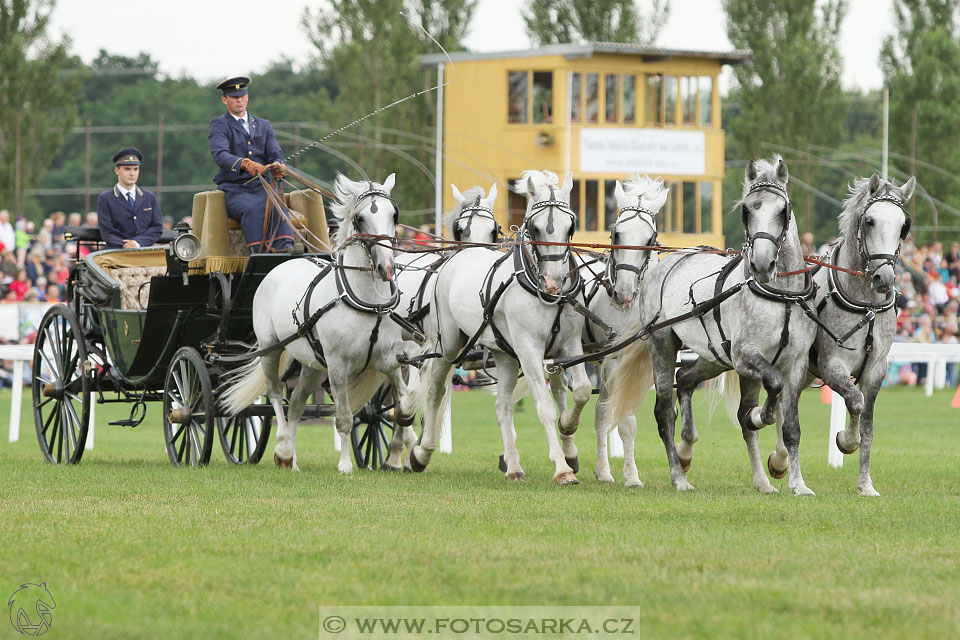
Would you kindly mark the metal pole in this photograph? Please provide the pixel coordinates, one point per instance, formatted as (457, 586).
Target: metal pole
(569, 127)
(17, 202)
(86, 174)
(160, 160)
(886, 132)
(438, 160)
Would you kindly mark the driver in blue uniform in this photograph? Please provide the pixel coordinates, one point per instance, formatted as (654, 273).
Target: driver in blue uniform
(128, 216)
(245, 147)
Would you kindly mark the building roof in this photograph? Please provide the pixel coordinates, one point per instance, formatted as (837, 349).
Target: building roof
(571, 51)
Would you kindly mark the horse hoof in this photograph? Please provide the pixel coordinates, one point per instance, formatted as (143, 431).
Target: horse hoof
(685, 464)
(415, 464)
(515, 476)
(390, 469)
(503, 464)
(283, 464)
(754, 419)
(845, 451)
(776, 473)
(565, 477)
(573, 463)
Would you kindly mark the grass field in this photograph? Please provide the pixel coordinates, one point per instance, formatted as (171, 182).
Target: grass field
(132, 548)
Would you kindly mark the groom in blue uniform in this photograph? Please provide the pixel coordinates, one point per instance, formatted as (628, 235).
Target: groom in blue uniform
(128, 216)
(245, 147)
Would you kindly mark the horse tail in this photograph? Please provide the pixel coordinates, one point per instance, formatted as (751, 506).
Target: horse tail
(731, 395)
(634, 377)
(242, 387)
(361, 387)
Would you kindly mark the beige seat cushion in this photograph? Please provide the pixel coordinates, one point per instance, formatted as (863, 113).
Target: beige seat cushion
(222, 246)
(132, 270)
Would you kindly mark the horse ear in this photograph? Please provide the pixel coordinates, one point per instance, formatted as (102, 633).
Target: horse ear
(751, 171)
(908, 188)
(456, 194)
(659, 200)
(389, 182)
(493, 193)
(782, 174)
(619, 194)
(875, 183)
(568, 183)
(531, 188)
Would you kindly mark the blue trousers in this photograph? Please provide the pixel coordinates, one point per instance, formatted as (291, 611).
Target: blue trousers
(247, 203)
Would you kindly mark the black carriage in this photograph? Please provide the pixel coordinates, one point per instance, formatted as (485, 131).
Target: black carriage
(165, 324)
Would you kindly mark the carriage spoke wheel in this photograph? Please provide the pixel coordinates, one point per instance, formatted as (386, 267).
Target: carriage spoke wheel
(61, 391)
(188, 421)
(373, 427)
(244, 438)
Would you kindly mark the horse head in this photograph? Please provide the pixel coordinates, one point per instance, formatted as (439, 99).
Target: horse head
(549, 219)
(472, 220)
(874, 214)
(767, 215)
(639, 199)
(368, 209)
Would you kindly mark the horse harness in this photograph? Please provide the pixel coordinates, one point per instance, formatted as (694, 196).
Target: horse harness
(478, 210)
(868, 310)
(863, 249)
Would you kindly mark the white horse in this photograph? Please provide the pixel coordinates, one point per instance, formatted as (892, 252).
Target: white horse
(859, 311)
(613, 297)
(736, 314)
(522, 315)
(353, 338)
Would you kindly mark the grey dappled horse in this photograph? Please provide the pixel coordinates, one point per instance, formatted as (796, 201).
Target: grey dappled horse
(749, 328)
(860, 311)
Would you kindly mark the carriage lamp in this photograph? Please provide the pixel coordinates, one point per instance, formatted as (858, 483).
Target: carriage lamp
(184, 248)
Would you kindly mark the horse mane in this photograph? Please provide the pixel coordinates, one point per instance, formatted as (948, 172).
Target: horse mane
(469, 197)
(766, 172)
(542, 181)
(640, 186)
(858, 194)
(347, 190)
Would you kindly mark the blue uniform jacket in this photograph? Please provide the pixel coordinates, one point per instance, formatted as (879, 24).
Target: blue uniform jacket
(230, 144)
(118, 223)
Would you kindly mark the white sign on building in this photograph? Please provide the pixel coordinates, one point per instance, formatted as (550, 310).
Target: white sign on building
(652, 151)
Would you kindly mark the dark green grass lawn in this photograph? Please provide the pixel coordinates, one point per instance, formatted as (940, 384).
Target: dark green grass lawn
(131, 547)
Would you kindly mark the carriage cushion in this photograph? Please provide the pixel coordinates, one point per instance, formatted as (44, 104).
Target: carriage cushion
(132, 270)
(222, 246)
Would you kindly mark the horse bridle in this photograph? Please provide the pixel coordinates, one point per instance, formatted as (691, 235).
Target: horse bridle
(612, 265)
(539, 257)
(373, 193)
(778, 190)
(864, 250)
(476, 209)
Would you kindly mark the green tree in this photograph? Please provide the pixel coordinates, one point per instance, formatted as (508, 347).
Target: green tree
(371, 48)
(570, 21)
(38, 84)
(920, 67)
(789, 96)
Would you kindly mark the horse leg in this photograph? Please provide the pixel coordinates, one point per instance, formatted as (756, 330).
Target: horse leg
(663, 348)
(558, 389)
(688, 379)
(343, 417)
(602, 423)
(749, 397)
(306, 385)
(791, 425)
(437, 379)
(751, 364)
(570, 419)
(285, 451)
(871, 387)
(837, 376)
(508, 370)
(404, 406)
(531, 360)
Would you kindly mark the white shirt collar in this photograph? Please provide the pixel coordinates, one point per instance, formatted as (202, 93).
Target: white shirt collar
(242, 121)
(124, 192)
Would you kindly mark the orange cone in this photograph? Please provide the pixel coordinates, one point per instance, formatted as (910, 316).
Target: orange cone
(956, 399)
(826, 395)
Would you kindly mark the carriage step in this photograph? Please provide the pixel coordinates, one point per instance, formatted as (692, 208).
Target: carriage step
(310, 411)
(124, 423)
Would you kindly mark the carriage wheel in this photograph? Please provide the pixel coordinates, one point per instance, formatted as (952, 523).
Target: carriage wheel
(61, 391)
(244, 438)
(188, 421)
(373, 427)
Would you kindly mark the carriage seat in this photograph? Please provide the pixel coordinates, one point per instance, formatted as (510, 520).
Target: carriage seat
(222, 247)
(132, 270)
